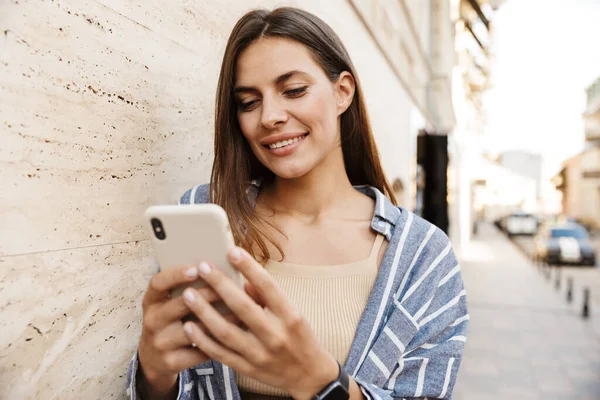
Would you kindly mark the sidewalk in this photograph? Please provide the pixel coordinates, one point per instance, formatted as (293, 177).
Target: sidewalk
(524, 340)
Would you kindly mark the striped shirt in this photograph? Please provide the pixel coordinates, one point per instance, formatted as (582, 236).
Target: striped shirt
(411, 336)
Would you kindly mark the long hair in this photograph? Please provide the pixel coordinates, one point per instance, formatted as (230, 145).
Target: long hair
(235, 165)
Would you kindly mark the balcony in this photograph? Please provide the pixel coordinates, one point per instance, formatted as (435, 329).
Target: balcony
(591, 174)
(592, 126)
(475, 22)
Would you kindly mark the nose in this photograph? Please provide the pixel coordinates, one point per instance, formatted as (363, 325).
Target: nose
(273, 114)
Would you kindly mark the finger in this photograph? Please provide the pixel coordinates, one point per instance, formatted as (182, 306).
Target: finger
(230, 317)
(165, 280)
(216, 351)
(164, 314)
(208, 294)
(176, 309)
(238, 301)
(172, 337)
(254, 295)
(265, 287)
(184, 358)
(220, 328)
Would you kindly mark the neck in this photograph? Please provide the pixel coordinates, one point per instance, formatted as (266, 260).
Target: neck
(314, 194)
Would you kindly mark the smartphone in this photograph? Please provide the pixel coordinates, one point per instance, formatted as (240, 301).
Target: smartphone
(190, 234)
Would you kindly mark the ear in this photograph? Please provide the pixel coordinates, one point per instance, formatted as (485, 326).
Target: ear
(344, 87)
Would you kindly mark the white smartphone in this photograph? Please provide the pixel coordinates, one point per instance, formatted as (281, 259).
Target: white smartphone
(190, 234)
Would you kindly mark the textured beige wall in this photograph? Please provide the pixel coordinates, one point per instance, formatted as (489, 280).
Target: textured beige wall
(106, 108)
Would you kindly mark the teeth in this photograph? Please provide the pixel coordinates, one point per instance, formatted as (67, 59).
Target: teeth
(284, 143)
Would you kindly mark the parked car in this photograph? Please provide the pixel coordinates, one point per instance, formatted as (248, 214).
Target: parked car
(565, 243)
(520, 223)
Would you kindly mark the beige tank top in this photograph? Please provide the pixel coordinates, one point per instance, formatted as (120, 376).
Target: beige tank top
(331, 298)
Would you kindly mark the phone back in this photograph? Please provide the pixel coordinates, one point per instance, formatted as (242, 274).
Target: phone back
(190, 234)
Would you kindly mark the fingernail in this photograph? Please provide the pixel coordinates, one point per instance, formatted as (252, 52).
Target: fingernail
(191, 272)
(236, 254)
(204, 268)
(189, 295)
(188, 329)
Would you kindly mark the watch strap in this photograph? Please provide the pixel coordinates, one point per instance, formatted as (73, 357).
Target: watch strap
(344, 378)
(339, 389)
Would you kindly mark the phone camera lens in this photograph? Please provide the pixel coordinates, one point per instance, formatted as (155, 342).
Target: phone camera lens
(158, 229)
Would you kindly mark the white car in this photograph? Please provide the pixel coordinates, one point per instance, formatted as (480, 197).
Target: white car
(520, 224)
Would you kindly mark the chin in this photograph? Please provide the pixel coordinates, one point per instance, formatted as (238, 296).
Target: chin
(291, 172)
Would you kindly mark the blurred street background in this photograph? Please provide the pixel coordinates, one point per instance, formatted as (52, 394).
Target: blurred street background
(525, 341)
(486, 114)
(525, 157)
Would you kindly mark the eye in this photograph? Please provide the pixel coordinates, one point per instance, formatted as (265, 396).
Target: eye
(248, 106)
(297, 92)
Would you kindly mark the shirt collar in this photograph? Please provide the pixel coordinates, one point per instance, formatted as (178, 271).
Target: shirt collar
(386, 213)
(384, 217)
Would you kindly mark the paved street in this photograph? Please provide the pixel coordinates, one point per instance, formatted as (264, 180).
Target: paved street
(582, 277)
(525, 341)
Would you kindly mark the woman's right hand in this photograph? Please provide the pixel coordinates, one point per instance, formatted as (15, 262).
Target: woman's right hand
(164, 349)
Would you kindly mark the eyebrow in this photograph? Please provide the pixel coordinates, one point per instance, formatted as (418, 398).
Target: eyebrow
(278, 81)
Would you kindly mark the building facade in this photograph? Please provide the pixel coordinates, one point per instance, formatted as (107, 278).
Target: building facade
(471, 79)
(106, 107)
(579, 178)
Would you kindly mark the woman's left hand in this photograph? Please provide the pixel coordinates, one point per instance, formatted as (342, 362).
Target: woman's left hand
(279, 348)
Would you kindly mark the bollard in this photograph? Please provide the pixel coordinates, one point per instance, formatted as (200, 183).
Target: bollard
(585, 313)
(557, 279)
(569, 289)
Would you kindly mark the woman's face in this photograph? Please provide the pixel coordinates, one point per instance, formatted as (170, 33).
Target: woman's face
(288, 110)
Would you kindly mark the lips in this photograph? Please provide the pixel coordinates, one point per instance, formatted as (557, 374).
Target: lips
(284, 143)
(281, 140)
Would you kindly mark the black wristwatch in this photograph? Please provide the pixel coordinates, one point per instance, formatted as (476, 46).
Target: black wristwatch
(336, 390)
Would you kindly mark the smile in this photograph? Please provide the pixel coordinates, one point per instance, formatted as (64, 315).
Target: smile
(288, 142)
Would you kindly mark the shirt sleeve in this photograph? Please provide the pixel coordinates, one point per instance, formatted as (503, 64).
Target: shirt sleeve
(187, 381)
(199, 194)
(420, 348)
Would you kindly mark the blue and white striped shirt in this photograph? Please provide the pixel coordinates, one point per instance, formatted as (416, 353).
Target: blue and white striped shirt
(411, 336)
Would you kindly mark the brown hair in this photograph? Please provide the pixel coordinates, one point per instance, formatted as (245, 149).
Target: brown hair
(235, 165)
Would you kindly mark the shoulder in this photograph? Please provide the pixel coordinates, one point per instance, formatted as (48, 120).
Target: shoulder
(199, 194)
(423, 249)
(413, 228)
(437, 238)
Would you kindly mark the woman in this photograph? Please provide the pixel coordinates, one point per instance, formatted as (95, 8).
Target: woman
(348, 296)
